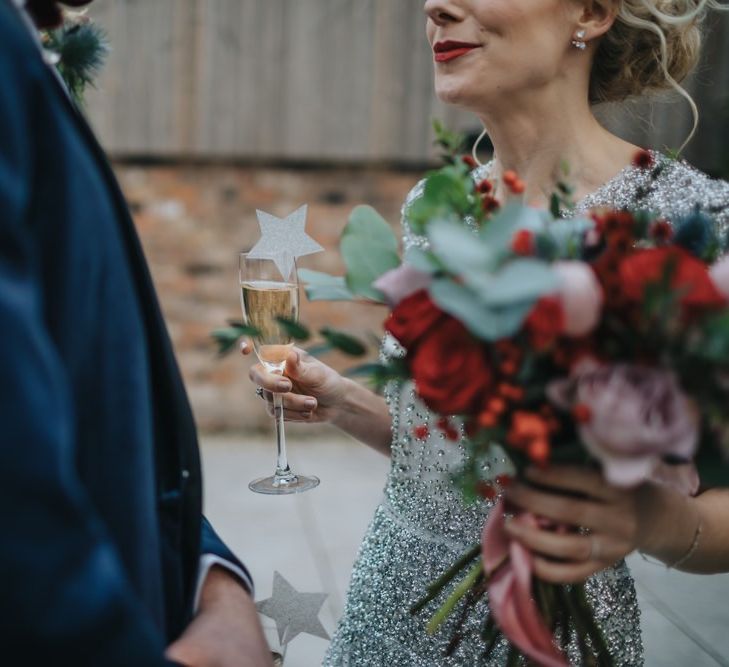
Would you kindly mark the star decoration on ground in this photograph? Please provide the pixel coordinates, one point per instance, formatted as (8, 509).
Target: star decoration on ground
(283, 240)
(293, 612)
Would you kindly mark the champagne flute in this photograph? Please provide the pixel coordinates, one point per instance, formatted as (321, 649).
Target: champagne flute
(266, 295)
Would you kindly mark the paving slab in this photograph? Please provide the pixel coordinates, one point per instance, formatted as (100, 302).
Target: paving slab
(312, 540)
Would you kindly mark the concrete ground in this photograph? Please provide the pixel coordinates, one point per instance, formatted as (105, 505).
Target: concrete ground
(312, 539)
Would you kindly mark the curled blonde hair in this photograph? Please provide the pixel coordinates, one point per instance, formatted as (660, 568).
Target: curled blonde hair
(652, 46)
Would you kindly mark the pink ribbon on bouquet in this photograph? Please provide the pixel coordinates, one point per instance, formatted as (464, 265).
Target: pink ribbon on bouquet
(509, 566)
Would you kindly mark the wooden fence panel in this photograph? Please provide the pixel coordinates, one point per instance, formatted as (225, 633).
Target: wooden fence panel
(317, 80)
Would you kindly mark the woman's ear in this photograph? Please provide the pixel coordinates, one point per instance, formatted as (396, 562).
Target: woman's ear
(598, 17)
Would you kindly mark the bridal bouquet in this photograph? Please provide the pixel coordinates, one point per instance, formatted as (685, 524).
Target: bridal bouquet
(600, 340)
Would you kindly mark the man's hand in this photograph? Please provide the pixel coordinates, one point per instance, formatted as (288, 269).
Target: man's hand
(226, 631)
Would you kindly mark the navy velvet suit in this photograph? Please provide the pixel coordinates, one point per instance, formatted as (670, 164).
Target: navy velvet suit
(101, 529)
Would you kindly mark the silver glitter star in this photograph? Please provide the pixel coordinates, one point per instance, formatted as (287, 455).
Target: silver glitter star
(283, 240)
(293, 612)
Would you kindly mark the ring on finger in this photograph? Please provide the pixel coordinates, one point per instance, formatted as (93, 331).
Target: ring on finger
(259, 392)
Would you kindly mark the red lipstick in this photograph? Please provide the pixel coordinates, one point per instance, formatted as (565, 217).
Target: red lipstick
(450, 50)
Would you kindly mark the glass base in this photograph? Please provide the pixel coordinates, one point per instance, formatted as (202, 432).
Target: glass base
(279, 486)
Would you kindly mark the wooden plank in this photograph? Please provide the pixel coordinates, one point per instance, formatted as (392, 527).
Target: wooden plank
(318, 80)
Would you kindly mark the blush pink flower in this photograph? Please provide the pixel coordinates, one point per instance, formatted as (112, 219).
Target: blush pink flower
(401, 282)
(509, 566)
(719, 273)
(636, 417)
(581, 297)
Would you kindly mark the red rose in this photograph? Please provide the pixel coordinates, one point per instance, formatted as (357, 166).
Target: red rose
(450, 369)
(546, 322)
(412, 317)
(690, 276)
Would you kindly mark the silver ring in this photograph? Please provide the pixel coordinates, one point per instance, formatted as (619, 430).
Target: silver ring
(259, 392)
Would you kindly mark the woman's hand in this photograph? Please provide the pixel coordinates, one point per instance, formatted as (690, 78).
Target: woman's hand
(312, 391)
(614, 521)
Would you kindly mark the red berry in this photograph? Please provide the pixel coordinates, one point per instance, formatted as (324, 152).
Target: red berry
(421, 432)
(452, 434)
(488, 419)
(517, 187)
(510, 177)
(504, 480)
(581, 413)
(538, 451)
(485, 186)
(469, 161)
(486, 490)
(443, 423)
(522, 243)
(661, 230)
(490, 204)
(643, 159)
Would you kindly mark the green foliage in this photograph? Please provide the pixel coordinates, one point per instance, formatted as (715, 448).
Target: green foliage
(296, 330)
(82, 49)
(450, 142)
(343, 342)
(227, 338)
(323, 287)
(369, 249)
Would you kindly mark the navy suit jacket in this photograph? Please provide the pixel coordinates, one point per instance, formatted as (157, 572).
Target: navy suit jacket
(101, 529)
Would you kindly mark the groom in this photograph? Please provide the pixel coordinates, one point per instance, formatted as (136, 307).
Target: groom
(105, 558)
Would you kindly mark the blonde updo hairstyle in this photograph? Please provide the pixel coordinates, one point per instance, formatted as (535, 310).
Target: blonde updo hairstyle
(652, 46)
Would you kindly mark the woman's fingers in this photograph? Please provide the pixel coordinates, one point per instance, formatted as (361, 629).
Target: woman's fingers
(573, 479)
(565, 573)
(563, 509)
(269, 381)
(572, 547)
(293, 402)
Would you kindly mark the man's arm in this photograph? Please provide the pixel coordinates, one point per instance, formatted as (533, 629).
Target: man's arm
(65, 595)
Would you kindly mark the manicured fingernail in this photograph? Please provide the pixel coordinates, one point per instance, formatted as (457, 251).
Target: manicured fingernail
(310, 403)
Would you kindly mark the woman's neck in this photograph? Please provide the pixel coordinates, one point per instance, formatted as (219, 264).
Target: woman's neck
(539, 140)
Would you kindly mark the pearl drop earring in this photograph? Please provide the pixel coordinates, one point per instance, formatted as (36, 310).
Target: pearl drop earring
(579, 40)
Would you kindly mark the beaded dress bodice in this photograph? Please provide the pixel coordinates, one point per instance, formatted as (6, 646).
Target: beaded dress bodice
(422, 524)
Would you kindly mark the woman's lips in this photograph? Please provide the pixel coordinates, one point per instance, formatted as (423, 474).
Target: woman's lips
(450, 50)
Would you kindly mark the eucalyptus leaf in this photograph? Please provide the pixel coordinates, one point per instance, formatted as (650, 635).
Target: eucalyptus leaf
(500, 230)
(519, 281)
(459, 249)
(296, 330)
(487, 323)
(369, 249)
(422, 261)
(324, 287)
(228, 338)
(343, 342)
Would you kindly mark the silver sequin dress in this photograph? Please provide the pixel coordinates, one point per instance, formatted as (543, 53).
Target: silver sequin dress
(422, 526)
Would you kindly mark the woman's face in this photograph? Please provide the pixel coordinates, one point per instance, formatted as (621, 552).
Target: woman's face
(487, 49)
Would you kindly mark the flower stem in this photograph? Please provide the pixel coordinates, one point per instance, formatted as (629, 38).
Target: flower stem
(441, 582)
(470, 579)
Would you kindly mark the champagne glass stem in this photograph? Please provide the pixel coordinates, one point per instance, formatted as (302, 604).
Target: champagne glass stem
(283, 472)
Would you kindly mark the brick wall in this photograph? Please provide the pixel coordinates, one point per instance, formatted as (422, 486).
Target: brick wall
(193, 220)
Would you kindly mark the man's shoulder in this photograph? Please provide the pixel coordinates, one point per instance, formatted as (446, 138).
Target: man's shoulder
(18, 52)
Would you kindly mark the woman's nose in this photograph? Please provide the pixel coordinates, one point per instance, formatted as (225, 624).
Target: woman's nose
(442, 12)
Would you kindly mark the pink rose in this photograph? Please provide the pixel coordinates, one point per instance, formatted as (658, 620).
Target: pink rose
(581, 297)
(719, 273)
(401, 282)
(635, 417)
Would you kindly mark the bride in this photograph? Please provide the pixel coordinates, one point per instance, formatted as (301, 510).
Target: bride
(531, 70)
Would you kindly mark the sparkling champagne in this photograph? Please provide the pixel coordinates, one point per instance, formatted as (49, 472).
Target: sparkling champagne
(265, 301)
